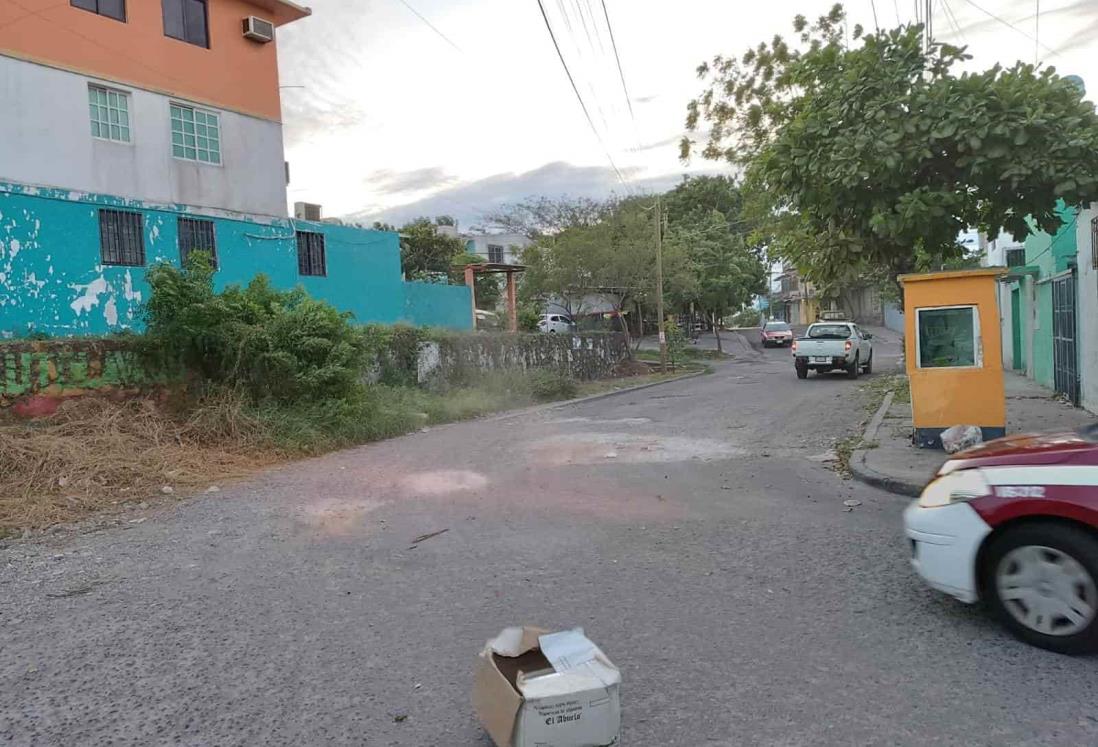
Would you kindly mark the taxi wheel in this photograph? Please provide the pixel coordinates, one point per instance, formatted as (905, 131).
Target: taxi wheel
(1041, 581)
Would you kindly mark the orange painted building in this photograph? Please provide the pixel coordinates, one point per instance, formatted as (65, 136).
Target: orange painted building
(184, 104)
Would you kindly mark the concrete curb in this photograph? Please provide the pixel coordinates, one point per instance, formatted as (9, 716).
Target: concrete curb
(864, 473)
(592, 397)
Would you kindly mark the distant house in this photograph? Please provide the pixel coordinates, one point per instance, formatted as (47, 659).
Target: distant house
(500, 248)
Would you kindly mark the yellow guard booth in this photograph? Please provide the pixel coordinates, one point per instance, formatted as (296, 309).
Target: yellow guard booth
(954, 353)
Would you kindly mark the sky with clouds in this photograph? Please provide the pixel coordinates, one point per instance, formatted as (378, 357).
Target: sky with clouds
(398, 108)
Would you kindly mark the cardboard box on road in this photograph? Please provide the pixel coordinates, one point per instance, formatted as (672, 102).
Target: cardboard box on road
(534, 688)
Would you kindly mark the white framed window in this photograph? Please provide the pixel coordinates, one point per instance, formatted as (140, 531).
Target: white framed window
(110, 113)
(196, 134)
(948, 337)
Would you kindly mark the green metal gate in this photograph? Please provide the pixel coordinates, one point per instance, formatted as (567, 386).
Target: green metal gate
(1065, 354)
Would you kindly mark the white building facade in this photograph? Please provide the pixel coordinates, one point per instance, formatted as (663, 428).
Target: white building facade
(88, 134)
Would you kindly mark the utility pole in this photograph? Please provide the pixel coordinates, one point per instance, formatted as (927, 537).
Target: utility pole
(659, 286)
(928, 31)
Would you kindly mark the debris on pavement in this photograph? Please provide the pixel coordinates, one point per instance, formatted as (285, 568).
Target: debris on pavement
(533, 687)
(167, 490)
(851, 504)
(828, 456)
(961, 437)
(425, 537)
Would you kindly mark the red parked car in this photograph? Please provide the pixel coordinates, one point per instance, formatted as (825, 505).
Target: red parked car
(1014, 523)
(776, 333)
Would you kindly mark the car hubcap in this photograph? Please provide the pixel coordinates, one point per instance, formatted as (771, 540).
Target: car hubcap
(1046, 590)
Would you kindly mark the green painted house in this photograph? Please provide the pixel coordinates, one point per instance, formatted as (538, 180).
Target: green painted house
(1049, 261)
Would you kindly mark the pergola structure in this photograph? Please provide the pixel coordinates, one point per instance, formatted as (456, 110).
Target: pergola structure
(494, 268)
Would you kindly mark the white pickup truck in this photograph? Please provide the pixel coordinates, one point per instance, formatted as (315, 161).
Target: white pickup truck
(828, 346)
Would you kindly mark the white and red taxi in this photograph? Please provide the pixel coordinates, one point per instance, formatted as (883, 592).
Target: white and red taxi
(1014, 523)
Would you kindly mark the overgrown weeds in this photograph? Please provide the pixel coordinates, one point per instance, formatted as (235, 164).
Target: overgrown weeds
(93, 452)
(879, 386)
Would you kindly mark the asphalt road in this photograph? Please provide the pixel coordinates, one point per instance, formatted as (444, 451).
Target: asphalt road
(686, 527)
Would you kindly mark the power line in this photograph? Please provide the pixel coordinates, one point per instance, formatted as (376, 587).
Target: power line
(1010, 25)
(621, 73)
(570, 32)
(952, 18)
(575, 89)
(1037, 34)
(430, 25)
(873, 4)
(896, 7)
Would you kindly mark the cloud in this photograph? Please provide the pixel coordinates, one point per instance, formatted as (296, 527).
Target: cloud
(667, 142)
(469, 201)
(397, 182)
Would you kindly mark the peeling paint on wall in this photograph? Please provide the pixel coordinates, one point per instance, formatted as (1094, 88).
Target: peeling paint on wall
(89, 295)
(52, 279)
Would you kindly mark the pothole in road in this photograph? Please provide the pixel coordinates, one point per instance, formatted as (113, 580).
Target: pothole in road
(609, 448)
(442, 481)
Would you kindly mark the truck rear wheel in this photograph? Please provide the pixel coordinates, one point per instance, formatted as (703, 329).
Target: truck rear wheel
(802, 372)
(854, 368)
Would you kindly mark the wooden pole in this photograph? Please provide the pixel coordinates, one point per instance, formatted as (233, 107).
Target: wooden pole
(470, 280)
(512, 304)
(659, 287)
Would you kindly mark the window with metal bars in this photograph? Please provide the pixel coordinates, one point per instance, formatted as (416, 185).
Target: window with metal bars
(310, 254)
(121, 237)
(115, 9)
(196, 234)
(1016, 257)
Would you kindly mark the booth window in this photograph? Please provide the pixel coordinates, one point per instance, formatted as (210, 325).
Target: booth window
(948, 337)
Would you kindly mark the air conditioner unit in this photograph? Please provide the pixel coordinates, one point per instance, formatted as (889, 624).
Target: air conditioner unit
(258, 30)
(307, 211)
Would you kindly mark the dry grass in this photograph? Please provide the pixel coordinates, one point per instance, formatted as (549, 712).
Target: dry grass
(94, 452)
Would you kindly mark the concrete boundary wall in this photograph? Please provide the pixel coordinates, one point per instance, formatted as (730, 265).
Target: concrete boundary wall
(583, 357)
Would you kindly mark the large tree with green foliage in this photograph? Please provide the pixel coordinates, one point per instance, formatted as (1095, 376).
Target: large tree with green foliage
(613, 259)
(705, 222)
(424, 250)
(537, 217)
(871, 157)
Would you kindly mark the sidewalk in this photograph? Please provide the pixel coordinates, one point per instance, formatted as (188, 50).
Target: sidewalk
(897, 466)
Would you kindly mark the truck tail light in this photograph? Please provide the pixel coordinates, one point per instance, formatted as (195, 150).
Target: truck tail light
(847, 345)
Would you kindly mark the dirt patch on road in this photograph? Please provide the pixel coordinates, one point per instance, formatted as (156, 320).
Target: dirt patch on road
(607, 448)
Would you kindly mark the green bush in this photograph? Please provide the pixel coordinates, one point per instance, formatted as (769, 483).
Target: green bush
(528, 318)
(746, 318)
(280, 345)
(546, 385)
(395, 350)
(676, 341)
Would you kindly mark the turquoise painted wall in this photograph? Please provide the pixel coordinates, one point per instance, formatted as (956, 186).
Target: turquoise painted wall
(1051, 255)
(434, 305)
(52, 280)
